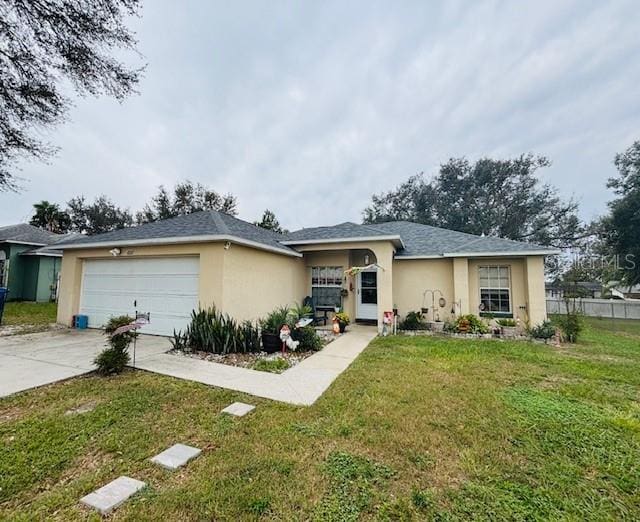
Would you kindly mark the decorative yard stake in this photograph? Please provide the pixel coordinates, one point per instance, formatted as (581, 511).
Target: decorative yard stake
(287, 341)
(140, 321)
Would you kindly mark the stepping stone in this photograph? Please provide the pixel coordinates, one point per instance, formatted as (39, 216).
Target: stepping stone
(176, 456)
(109, 497)
(239, 409)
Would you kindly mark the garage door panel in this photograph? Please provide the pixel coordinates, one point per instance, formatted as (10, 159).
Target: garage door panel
(165, 287)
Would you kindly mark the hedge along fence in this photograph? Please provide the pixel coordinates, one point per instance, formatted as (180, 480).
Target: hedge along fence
(608, 308)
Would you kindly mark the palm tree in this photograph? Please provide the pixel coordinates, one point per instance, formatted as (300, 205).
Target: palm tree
(49, 217)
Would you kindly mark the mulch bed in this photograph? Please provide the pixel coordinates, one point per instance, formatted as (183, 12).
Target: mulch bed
(247, 360)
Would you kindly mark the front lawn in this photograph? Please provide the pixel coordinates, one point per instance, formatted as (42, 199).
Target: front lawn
(417, 428)
(29, 314)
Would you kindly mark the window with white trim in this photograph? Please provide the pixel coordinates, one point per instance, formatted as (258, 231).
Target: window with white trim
(326, 276)
(495, 289)
(326, 286)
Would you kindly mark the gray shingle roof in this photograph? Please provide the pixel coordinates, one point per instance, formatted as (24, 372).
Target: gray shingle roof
(415, 239)
(425, 240)
(205, 223)
(418, 240)
(25, 233)
(341, 231)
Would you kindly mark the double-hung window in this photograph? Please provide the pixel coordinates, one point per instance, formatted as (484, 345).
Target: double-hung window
(326, 285)
(495, 289)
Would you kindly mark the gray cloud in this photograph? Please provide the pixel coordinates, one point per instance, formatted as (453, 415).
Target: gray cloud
(309, 108)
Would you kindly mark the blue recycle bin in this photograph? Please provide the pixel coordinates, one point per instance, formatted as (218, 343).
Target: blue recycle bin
(80, 321)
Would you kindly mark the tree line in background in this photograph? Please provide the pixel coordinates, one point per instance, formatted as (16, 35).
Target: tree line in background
(502, 198)
(103, 215)
(505, 198)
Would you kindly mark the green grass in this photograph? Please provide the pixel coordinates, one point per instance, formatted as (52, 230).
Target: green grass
(418, 428)
(29, 314)
(271, 365)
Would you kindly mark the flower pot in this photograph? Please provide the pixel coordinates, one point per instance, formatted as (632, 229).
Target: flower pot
(437, 326)
(508, 332)
(271, 342)
(342, 325)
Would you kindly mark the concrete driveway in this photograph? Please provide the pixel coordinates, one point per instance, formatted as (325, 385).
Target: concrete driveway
(28, 361)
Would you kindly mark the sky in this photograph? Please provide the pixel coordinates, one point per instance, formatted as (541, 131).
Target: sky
(308, 108)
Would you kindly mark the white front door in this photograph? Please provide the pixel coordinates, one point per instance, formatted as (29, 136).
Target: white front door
(367, 298)
(166, 287)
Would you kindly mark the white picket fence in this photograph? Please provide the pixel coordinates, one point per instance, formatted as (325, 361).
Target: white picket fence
(609, 308)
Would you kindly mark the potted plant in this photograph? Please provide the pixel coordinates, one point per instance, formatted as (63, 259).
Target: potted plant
(343, 320)
(507, 327)
(270, 326)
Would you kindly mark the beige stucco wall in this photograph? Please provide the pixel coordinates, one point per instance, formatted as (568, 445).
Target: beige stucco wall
(255, 282)
(247, 283)
(412, 277)
(244, 282)
(536, 299)
(457, 279)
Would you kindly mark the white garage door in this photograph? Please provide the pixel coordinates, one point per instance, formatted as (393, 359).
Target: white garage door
(165, 287)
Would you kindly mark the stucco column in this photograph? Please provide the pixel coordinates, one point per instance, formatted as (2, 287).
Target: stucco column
(210, 290)
(536, 299)
(384, 257)
(461, 283)
(69, 290)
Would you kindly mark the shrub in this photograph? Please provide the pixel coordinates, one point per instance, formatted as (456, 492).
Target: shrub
(309, 339)
(343, 317)
(470, 324)
(571, 325)
(507, 323)
(545, 330)
(115, 357)
(413, 321)
(274, 321)
(214, 332)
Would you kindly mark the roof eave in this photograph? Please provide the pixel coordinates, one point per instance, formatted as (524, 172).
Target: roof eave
(518, 253)
(174, 241)
(396, 239)
(30, 243)
(45, 254)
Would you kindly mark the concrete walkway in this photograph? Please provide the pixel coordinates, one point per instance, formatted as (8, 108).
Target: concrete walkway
(32, 360)
(303, 384)
(28, 361)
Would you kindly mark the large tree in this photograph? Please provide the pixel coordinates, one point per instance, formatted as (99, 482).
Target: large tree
(47, 48)
(270, 222)
(621, 227)
(50, 217)
(98, 217)
(187, 198)
(501, 198)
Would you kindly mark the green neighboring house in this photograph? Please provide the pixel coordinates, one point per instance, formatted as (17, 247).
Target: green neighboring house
(28, 270)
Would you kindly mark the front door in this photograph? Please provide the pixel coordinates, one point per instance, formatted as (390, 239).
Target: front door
(367, 302)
